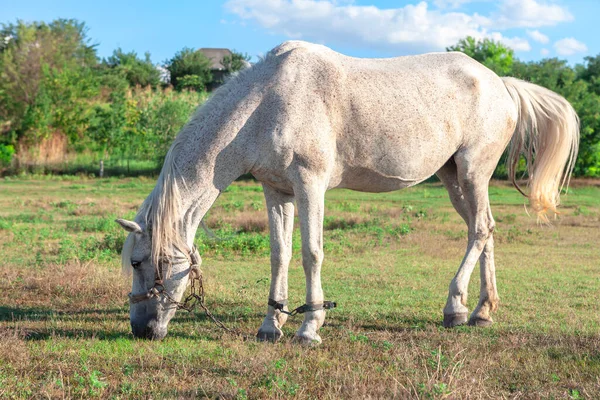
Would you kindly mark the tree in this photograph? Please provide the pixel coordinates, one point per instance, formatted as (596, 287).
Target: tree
(138, 72)
(580, 85)
(189, 69)
(551, 73)
(577, 86)
(490, 53)
(235, 62)
(33, 57)
(590, 72)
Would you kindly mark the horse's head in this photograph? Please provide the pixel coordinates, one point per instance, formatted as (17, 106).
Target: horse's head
(158, 283)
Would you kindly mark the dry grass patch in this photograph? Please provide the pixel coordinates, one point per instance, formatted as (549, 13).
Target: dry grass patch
(240, 221)
(76, 280)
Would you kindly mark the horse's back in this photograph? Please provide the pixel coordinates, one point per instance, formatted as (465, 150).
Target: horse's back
(407, 116)
(383, 124)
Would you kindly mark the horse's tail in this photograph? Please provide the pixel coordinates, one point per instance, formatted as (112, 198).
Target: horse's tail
(547, 134)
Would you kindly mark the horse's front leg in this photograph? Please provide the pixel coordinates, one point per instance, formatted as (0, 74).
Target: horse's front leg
(310, 199)
(281, 225)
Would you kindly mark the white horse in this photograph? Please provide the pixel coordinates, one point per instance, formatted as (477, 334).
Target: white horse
(307, 119)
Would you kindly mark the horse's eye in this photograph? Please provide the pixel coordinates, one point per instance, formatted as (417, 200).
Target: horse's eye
(136, 264)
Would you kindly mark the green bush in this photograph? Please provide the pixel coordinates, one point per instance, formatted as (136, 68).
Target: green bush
(7, 152)
(189, 69)
(136, 71)
(194, 82)
(140, 124)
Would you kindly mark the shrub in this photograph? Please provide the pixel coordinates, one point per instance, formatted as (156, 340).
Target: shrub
(7, 152)
(189, 69)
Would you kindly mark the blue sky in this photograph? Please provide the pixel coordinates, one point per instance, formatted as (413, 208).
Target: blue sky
(363, 28)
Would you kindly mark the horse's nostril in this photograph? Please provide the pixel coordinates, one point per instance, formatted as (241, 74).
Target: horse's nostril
(138, 331)
(149, 333)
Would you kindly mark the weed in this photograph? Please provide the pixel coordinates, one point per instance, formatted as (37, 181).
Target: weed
(438, 360)
(67, 205)
(242, 243)
(574, 394)
(359, 338)
(256, 205)
(346, 206)
(233, 205)
(96, 381)
(241, 393)
(508, 218)
(5, 225)
(128, 370)
(387, 345)
(581, 211)
(273, 382)
(434, 391)
(94, 224)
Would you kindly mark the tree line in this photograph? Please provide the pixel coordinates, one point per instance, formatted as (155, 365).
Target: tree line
(62, 106)
(580, 84)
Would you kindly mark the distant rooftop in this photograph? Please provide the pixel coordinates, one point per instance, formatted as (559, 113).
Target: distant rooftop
(216, 56)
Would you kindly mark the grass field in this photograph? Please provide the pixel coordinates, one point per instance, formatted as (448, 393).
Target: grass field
(64, 325)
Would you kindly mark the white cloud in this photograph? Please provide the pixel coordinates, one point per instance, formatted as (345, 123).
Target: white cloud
(544, 52)
(414, 28)
(453, 3)
(515, 43)
(538, 36)
(569, 46)
(530, 14)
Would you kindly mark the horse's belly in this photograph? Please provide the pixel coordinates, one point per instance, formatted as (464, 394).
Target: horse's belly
(369, 180)
(384, 164)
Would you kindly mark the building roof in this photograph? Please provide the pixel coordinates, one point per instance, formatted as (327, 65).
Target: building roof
(215, 56)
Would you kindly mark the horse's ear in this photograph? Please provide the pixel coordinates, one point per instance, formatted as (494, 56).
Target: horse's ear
(129, 226)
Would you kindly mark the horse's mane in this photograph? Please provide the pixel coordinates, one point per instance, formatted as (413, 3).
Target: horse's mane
(161, 211)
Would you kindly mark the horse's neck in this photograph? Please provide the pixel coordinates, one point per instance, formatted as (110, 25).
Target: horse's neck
(212, 155)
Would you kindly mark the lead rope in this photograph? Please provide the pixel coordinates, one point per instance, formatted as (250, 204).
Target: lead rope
(197, 297)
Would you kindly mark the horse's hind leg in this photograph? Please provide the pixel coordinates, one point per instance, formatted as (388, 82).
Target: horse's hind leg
(469, 195)
(488, 294)
(281, 225)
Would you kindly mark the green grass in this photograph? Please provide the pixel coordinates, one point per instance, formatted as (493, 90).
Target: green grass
(64, 327)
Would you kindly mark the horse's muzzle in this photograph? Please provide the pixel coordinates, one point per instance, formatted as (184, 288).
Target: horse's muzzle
(150, 330)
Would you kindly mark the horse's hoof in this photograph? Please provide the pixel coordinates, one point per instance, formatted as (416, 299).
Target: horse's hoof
(452, 320)
(269, 336)
(476, 321)
(308, 340)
